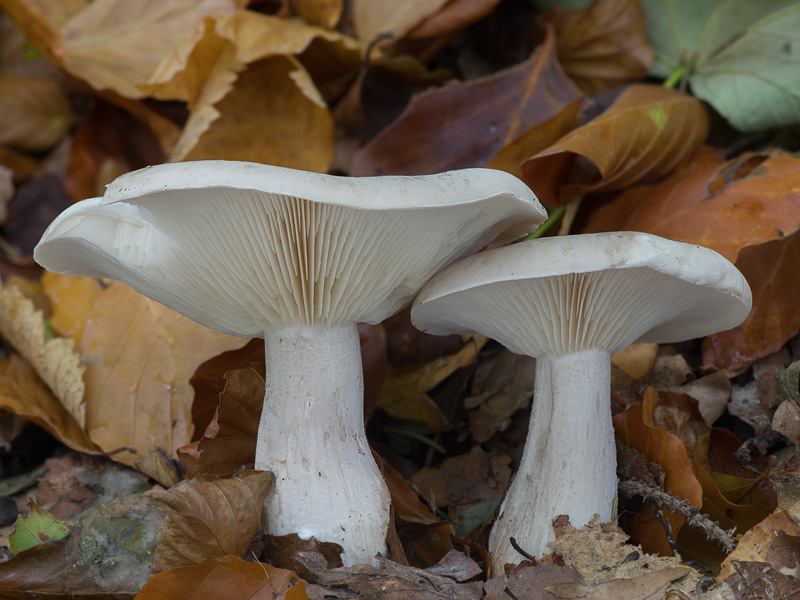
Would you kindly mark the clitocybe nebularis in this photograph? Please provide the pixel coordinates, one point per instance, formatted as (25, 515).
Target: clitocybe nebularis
(296, 258)
(571, 302)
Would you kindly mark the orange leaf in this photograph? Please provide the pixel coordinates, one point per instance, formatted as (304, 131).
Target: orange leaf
(744, 209)
(466, 124)
(225, 577)
(139, 356)
(657, 445)
(603, 45)
(72, 299)
(209, 519)
(644, 135)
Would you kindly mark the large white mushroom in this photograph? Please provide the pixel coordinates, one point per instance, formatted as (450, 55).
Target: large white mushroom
(297, 258)
(571, 302)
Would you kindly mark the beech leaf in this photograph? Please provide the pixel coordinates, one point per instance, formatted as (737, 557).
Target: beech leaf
(466, 124)
(139, 356)
(737, 55)
(603, 45)
(645, 134)
(225, 577)
(55, 361)
(38, 527)
(209, 519)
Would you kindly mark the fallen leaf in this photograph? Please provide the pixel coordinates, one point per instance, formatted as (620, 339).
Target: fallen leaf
(209, 519)
(454, 16)
(644, 587)
(466, 124)
(34, 112)
(37, 528)
(24, 395)
(530, 581)
(71, 299)
(737, 56)
(111, 547)
(457, 566)
(657, 445)
(229, 442)
(603, 45)
(55, 361)
(225, 577)
(373, 18)
(645, 134)
(139, 356)
(405, 502)
(403, 394)
(288, 123)
(113, 44)
(759, 580)
(755, 544)
(325, 13)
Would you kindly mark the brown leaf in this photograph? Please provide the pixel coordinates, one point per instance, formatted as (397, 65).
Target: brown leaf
(209, 380)
(539, 137)
(372, 18)
(139, 356)
(229, 442)
(405, 502)
(106, 555)
(644, 587)
(278, 97)
(645, 134)
(403, 394)
(34, 112)
(770, 269)
(24, 395)
(142, 34)
(55, 361)
(603, 45)
(466, 124)
(225, 577)
(209, 519)
(759, 580)
(325, 13)
(454, 16)
(530, 582)
(633, 427)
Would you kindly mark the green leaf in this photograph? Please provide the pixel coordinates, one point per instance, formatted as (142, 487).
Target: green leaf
(741, 56)
(38, 527)
(787, 384)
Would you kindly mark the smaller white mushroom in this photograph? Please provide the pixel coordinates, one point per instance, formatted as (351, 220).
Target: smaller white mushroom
(571, 302)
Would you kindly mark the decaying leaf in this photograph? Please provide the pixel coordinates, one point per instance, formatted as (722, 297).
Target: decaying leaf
(209, 519)
(37, 528)
(112, 44)
(107, 554)
(34, 112)
(645, 134)
(139, 356)
(466, 124)
(55, 361)
(603, 45)
(225, 577)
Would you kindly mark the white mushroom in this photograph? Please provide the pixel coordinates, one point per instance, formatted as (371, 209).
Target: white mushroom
(571, 302)
(297, 258)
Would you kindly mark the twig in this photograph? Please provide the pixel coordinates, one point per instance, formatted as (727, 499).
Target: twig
(667, 530)
(694, 518)
(516, 547)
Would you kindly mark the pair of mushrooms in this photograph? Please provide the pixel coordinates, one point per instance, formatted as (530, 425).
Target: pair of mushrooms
(299, 258)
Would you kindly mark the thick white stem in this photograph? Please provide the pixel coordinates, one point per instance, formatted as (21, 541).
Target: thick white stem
(569, 463)
(312, 438)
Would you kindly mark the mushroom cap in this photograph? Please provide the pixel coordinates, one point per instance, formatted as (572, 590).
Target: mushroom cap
(560, 295)
(244, 247)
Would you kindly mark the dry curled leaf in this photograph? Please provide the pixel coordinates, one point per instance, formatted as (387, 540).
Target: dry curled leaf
(55, 361)
(209, 519)
(645, 134)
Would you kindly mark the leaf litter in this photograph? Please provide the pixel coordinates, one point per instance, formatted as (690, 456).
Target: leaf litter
(707, 430)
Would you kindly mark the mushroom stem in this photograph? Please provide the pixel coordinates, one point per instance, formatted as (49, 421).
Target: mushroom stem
(569, 463)
(312, 437)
